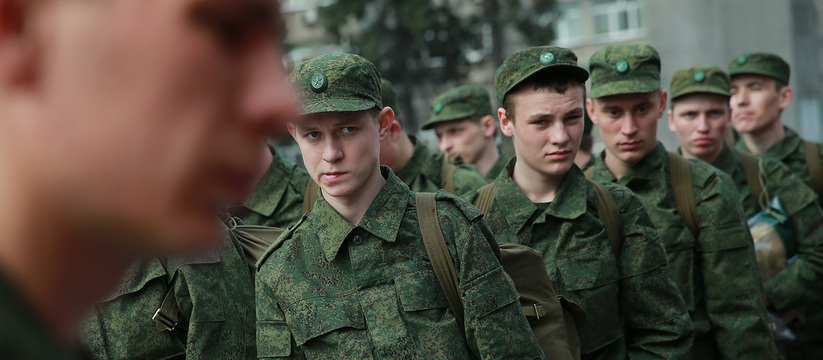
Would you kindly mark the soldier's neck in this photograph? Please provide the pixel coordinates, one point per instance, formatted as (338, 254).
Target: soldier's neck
(60, 267)
(758, 142)
(539, 188)
(485, 162)
(353, 206)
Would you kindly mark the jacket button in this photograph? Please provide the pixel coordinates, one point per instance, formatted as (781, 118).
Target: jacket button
(357, 240)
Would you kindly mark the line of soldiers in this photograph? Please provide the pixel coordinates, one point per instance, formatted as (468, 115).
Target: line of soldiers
(350, 278)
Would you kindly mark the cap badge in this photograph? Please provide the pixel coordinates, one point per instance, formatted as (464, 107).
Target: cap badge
(547, 58)
(742, 59)
(438, 108)
(699, 76)
(319, 82)
(622, 66)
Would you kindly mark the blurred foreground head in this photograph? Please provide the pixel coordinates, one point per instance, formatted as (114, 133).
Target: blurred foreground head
(133, 122)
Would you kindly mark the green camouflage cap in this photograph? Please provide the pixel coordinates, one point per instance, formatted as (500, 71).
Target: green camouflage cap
(458, 103)
(337, 83)
(528, 62)
(624, 69)
(699, 79)
(761, 64)
(389, 96)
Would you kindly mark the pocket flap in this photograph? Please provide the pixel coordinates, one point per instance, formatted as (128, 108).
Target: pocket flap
(311, 318)
(588, 270)
(420, 291)
(273, 339)
(137, 277)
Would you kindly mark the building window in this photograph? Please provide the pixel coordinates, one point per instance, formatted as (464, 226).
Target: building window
(569, 24)
(616, 18)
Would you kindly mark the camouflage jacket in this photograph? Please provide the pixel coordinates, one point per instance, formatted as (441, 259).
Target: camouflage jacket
(330, 289)
(498, 167)
(22, 334)
(717, 274)
(790, 151)
(423, 172)
(634, 307)
(215, 297)
(797, 284)
(277, 200)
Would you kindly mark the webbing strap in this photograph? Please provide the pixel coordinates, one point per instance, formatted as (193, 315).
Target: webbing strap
(535, 311)
(484, 198)
(751, 167)
(438, 253)
(447, 171)
(309, 196)
(609, 215)
(589, 173)
(683, 194)
(166, 316)
(815, 168)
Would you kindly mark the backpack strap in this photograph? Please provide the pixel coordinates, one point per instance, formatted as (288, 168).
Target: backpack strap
(438, 253)
(589, 173)
(751, 166)
(609, 214)
(447, 171)
(683, 195)
(309, 196)
(166, 315)
(815, 168)
(484, 198)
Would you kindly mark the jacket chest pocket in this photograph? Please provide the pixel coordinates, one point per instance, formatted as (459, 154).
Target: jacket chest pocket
(419, 291)
(310, 319)
(591, 280)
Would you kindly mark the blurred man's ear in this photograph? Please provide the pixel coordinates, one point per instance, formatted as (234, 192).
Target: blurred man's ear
(18, 42)
(385, 122)
(487, 122)
(786, 94)
(590, 111)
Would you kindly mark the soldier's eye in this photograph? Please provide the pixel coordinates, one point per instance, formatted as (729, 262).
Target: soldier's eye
(642, 110)
(348, 129)
(313, 135)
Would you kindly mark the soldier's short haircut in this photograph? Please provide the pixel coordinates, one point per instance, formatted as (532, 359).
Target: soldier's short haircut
(557, 81)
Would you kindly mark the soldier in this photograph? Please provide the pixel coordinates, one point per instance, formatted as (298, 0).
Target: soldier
(542, 200)
(760, 92)
(708, 245)
(463, 120)
(126, 126)
(417, 167)
(584, 158)
(352, 278)
(281, 197)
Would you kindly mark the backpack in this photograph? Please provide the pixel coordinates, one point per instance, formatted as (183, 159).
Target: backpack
(553, 320)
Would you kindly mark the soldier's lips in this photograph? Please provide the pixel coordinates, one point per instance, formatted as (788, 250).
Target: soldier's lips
(703, 141)
(559, 155)
(630, 145)
(331, 177)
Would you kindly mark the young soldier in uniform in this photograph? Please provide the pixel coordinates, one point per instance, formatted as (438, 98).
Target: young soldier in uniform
(352, 279)
(760, 92)
(542, 200)
(714, 264)
(418, 167)
(126, 126)
(463, 120)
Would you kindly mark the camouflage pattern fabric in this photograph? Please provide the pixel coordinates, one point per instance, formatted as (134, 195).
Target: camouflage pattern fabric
(277, 199)
(337, 83)
(215, 298)
(22, 333)
(522, 65)
(790, 151)
(330, 289)
(716, 273)
(497, 168)
(699, 79)
(624, 69)
(761, 64)
(459, 103)
(798, 284)
(423, 172)
(634, 307)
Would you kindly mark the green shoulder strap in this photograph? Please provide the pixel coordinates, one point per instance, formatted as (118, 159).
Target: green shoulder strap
(815, 168)
(683, 195)
(309, 196)
(609, 214)
(589, 173)
(484, 198)
(447, 171)
(751, 167)
(438, 253)
(165, 317)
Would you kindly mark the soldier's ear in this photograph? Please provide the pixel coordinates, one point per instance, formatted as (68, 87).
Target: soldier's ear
(664, 99)
(672, 128)
(385, 121)
(786, 94)
(293, 134)
(488, 126)
(19, 43)
(506, 124)
(590, 111)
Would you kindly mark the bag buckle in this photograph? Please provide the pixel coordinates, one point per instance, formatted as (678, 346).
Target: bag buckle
(163, 322)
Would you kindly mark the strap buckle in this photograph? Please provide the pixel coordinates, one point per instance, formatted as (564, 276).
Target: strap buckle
(163, 322)
(536, 311)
